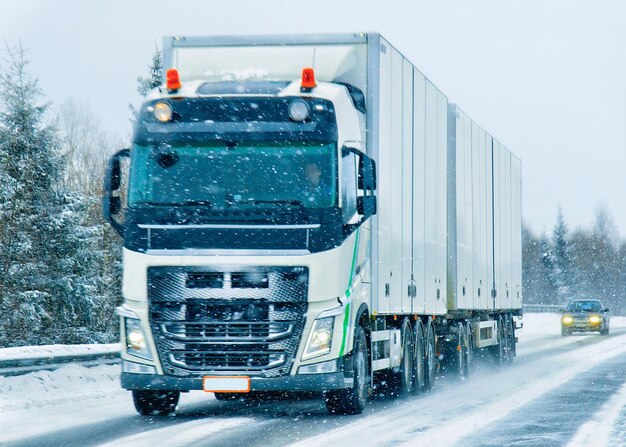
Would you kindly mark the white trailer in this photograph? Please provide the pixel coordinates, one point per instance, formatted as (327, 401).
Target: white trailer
(239, 280)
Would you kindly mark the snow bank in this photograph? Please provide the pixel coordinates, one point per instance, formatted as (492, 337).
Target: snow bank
(67, 384)
(50, 351)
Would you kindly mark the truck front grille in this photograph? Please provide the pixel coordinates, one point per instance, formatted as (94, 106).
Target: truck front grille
(227, 320)
(227, 361)
(228, 332)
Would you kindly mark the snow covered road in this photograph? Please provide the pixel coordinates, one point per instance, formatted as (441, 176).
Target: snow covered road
(560, 391)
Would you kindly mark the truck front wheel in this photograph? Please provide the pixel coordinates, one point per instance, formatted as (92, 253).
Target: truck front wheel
(148, 402)
(352, 400)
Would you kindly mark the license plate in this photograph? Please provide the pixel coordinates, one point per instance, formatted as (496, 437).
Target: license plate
(226, 384)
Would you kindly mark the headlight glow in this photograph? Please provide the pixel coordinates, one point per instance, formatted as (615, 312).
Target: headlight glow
(298, 110)
(163, 112)
(320, 339)
(595, 319)
(567, 319)
(136, 340)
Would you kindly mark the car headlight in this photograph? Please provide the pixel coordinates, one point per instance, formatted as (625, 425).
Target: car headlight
(595, 319)
(136, 343)
(567, 319)
(320, 339)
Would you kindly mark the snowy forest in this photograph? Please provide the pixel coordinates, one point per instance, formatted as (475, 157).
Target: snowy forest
(60, 264)
(583, 263)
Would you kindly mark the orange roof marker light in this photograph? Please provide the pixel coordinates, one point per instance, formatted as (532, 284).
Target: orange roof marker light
(173, 80)
(308, 80)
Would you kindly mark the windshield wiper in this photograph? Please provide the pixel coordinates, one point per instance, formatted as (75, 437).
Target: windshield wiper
(185, 203)
(297, 203)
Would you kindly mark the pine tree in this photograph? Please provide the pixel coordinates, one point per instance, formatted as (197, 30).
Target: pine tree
(41, 295)
(535, 281)
(155, 75)
(147, 83)
(549, 294)
(561, 269)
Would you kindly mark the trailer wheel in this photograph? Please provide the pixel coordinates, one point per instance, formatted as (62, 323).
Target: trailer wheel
(461, 352)
(469, 352)
(353, 400)
(402, 380)
(430, 351)
(511, 344)
(149, 402)
(501, 348)
(419, 374)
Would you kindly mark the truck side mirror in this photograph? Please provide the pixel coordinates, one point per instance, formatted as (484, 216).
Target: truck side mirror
(366, 180)
(367, 173)
(366, 205)
(115, 205)
(112, 205)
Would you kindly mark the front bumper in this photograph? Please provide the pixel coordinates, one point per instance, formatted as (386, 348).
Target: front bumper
(582, 326)
(304, 382)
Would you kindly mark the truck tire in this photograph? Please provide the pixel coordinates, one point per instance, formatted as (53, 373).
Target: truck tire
(155, 402)
(401, 381)
(501, 349)
(419, 374)
(353, 400)
(469, 353)
(511, 333)
(430, 356)
(461, 352)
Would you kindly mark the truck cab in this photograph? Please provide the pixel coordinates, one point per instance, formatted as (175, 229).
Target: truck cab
(245, 236)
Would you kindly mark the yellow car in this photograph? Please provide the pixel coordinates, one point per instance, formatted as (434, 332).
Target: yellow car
(585, 316)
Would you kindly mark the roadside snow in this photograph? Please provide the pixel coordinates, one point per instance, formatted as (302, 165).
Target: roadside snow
(51, 351)
(67, 397)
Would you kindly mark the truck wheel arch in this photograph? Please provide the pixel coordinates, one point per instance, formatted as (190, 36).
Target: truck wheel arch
(363, 319)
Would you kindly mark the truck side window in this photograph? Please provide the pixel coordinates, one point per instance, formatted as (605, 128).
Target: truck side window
(348, 186)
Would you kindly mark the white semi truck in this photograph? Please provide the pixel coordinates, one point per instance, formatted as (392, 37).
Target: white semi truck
(309, 213)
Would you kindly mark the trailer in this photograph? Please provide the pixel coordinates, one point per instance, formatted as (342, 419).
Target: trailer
(309, 213)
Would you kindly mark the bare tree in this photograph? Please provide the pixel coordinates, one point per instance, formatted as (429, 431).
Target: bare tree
(85, 145)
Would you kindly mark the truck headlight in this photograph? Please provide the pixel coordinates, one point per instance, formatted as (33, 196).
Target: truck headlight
(136, 343)
(320, 338)
(163, 111)
(298, 110)
(329, 366)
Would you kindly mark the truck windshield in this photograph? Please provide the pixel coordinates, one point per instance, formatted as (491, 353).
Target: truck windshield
(226, 175)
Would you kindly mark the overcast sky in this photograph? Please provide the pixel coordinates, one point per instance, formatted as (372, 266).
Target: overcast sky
(547, 78)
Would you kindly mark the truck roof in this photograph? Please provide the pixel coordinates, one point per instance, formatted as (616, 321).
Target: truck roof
(335, 57)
